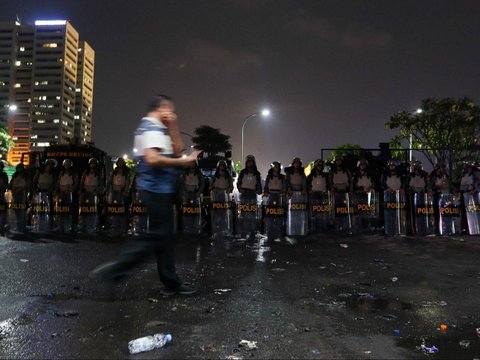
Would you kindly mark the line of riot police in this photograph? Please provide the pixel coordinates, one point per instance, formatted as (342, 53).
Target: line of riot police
(394, 202)
(55, 198)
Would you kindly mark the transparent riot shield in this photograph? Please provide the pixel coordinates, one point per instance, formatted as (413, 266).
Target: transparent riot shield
(472, 209)
(62, 212)
(273, 212)
(343, 213)
(248, 215)
(366, 209)
(221, 212)
(297, 215)
(139, 216)
(320, 212)
(17, 212)
(116, 212)
(192, 214)
(88, 213)
(423, 214)
(41, 213)
(449, 220)
(394, 210)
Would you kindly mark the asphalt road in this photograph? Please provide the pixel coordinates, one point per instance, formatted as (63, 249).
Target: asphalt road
(324, 297)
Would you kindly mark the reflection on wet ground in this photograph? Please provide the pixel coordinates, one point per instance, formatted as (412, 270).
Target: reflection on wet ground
(297, 297)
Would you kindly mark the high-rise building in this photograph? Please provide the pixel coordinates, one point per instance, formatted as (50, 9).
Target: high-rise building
(46, 85)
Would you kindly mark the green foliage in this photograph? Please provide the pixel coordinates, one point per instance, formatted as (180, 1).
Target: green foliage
(210, 140)
(5, 142)
(344, 150)
(445, 127)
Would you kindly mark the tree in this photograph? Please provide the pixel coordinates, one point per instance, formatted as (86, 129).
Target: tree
(445, 129)
(5, 142)
(210, 140)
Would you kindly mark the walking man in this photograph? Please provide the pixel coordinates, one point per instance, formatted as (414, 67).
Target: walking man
(159, 144)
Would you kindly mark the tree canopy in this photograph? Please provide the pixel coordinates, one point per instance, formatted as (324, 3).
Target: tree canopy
(210, 140)
(5, 142)
(443, 129)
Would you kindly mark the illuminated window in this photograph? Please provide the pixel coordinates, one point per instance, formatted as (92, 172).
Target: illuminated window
(18, 63)
(43, 144)
(22, 48)
(65, 123)
(45, 82)
(69, 133)
(33, 136)
(36, 83)
(50, 45)
(14, 138)
(78, 90)
(76, 117)
(17, 85)
(41, 121)
(58, 97)
(56, 121)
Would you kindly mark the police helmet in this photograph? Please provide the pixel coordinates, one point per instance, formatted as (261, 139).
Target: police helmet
(275, 163)
(67, 161)
(417, 165)
(392, 162)
(92, 161)
(362, 161)
(52, 162)
(250, 158)
(222, 162)
(318, 162)
(297, 160)
(119, 161)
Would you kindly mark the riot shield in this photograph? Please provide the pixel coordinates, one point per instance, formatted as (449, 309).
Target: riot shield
(297, 215)
(41, 215)
(472, 209)
(343, 211)
(366, 209)
(62, 212)
(423, 214)
(449, 220)
(3, 213)
(394, 213)
(17, 212)
(273, 212)
(320, 212)
(116, 212)
(221, 212)
(192, 214)
(139, 216)
(248, 215)
(88, 213)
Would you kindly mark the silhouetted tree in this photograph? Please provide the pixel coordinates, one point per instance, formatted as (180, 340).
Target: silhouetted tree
(210, 140)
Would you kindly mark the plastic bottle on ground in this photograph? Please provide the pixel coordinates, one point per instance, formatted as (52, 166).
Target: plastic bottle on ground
(148, 343)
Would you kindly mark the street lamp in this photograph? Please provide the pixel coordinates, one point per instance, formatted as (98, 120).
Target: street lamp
(264, 113)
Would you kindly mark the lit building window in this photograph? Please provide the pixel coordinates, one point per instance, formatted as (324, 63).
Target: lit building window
(56, 121)
(22, 48)
(43, 144)
(58, 98)
(50, 45)
(18, 63)
(78, 90)
(17, 85)
(41, 121)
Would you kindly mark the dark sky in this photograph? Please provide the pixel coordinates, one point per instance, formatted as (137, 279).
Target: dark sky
(331, 72)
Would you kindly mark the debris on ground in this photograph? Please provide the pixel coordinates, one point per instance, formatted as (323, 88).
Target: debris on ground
(345, 246)
(68, 313)
(221, 291)
(464, 344)
(249, 345)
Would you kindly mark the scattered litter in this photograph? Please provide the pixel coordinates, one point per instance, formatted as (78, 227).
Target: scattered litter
(155, 323)
(464, 344)
(389, 317)
(478, 331)
(434, 303)
(307, 329)
(68, 313)
(233, 357)
(428, 349)
(394, 279)
(148, 343)
(249, 345)
(396, 332)
(344, 295)
(443, 327)
(367, 352)
(344, 246)
(208, 348)
(221, 291)
(24, 260)
(278, 269)
(316, 352)
(381, 261)
(153, 300)
(50, 296)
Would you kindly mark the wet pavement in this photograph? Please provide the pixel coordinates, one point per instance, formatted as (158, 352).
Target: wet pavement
(316, 297)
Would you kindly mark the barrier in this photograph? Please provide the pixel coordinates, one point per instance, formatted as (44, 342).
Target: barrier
(297, 215)
(320, 212)
(394, 209)
(449, 214)
(221, 212)
(472, 209)
(423, 214)
(273, 212)
(343, 213)
(41, 213)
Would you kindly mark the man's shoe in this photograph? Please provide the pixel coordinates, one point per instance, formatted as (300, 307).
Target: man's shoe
(181, 290)
(185, 290)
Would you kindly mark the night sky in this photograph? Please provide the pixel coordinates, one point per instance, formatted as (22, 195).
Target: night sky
(331, 72)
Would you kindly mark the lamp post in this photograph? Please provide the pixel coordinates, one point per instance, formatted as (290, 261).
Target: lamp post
(418, 111)
(264, 113)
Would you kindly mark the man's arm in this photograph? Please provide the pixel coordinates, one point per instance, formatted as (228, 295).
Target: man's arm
(153, 157)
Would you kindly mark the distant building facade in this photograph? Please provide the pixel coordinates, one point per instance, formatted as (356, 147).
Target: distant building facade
(46, 85)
